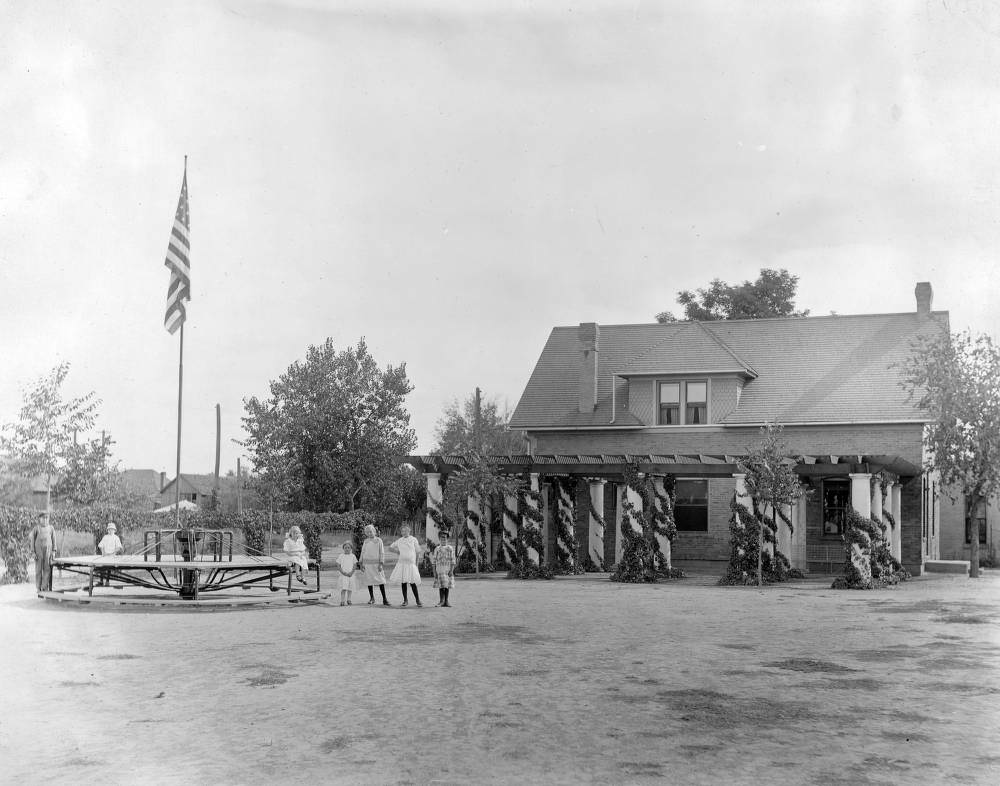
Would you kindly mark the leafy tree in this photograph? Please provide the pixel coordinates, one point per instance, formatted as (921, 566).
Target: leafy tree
(41, 442)
(771, 295)
(86, 477)
(334, 427)
(455, 430)
(955, 377)
(770, 480)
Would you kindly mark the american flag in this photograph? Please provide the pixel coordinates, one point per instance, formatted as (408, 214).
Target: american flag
(179, 262)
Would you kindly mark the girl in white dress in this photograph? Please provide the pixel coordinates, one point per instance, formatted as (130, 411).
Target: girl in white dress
(347, 563)
(295, 549)
(371, 565)
(406, 571)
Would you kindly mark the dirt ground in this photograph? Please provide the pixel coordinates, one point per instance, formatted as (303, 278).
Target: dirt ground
(577, 680)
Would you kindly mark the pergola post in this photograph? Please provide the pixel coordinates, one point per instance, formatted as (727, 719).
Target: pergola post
(877, 502)
(527, 523)
(509, 528)
(861, 494)
(785, 532)
(566, 512)
(662, 541)
(435, 499)
(635, 498)
(595, 532)
(619, 509)
(474, 511)
(799, 558)
(896, 508)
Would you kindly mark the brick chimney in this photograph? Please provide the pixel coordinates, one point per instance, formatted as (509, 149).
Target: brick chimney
(588, 333)
(925, 296)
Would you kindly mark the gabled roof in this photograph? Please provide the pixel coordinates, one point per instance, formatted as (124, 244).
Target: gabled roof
(199, 484)
(808, 369)
(693, 348)
(144, 481)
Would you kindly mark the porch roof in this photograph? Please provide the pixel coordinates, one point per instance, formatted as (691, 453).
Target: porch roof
(610, 466)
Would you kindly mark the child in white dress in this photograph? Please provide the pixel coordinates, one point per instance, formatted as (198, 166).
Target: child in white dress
(406, 572)
(347, 563)
(295, 549)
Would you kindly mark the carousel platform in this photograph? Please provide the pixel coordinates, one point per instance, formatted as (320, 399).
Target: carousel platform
(212, 578)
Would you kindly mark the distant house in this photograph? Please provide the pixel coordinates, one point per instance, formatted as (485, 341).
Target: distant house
(145, 482)
(193, 488)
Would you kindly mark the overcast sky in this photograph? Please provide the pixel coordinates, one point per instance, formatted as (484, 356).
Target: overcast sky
(452, 179)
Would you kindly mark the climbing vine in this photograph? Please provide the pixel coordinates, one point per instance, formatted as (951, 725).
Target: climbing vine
(868, 562)
(744, 529)
(566, 546)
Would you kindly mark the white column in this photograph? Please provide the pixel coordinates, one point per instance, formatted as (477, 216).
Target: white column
(595, 536)
(800, 540)
(744, 501)
(529, 524)
(547, 521)
(877, 503)
(896, 508)
(635, 498)
(509, 528)
(619, 496)
(662, 541)
(861, 495)
(567, 513)
(434, 502)
(785, 532)
(486, 506)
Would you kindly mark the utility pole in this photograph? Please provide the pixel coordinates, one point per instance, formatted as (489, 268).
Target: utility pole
(239, 488)
(477, 426)
(218, 438)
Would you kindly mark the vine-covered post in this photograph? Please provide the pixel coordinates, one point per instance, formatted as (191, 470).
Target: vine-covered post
(877, 503)
(531, 519)
(861, 502)
(595, 538)
(619, 512)
(784, 534)
(435, 501)
(566, 556)
(661, 501)
(896, 508)
(635, 499)
(509, 536)
(473, 526)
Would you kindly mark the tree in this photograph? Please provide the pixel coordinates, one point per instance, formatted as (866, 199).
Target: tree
(334, 425)
(771, 295)
(42, 441)
(955, 377)
(455, 429)
(770, 481)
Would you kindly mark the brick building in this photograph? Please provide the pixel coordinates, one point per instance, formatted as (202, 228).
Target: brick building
(687, 399)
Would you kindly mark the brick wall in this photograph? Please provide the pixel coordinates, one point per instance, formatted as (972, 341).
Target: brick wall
(714, 544)
(902, 440)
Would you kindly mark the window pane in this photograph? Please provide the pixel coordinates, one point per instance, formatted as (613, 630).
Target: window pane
(670, 393)
(697, 392)
(697, 414)
(691, 505)
(670, 415)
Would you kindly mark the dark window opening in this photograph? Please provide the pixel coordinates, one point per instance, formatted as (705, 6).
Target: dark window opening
(836, 501)
(691, 505)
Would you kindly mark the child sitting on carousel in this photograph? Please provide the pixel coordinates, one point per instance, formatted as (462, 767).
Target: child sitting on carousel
(295, 550)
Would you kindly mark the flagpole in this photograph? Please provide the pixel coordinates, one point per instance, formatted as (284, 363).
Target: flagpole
(177, 476)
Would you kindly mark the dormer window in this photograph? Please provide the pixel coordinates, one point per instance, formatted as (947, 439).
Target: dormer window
(670, 403)
(696, 410)
(682, 403)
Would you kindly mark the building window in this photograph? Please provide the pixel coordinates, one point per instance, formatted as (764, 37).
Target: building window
(696, 397)
(670, 403)
(836, 501)
(691, 505)
(682, 403)
(980, 520)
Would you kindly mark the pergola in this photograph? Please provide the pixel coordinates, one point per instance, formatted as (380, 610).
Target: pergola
(866, 496)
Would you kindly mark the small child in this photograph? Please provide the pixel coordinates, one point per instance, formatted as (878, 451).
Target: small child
(110, 544)
(295, 549)
(443, 560)
(347, 563)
